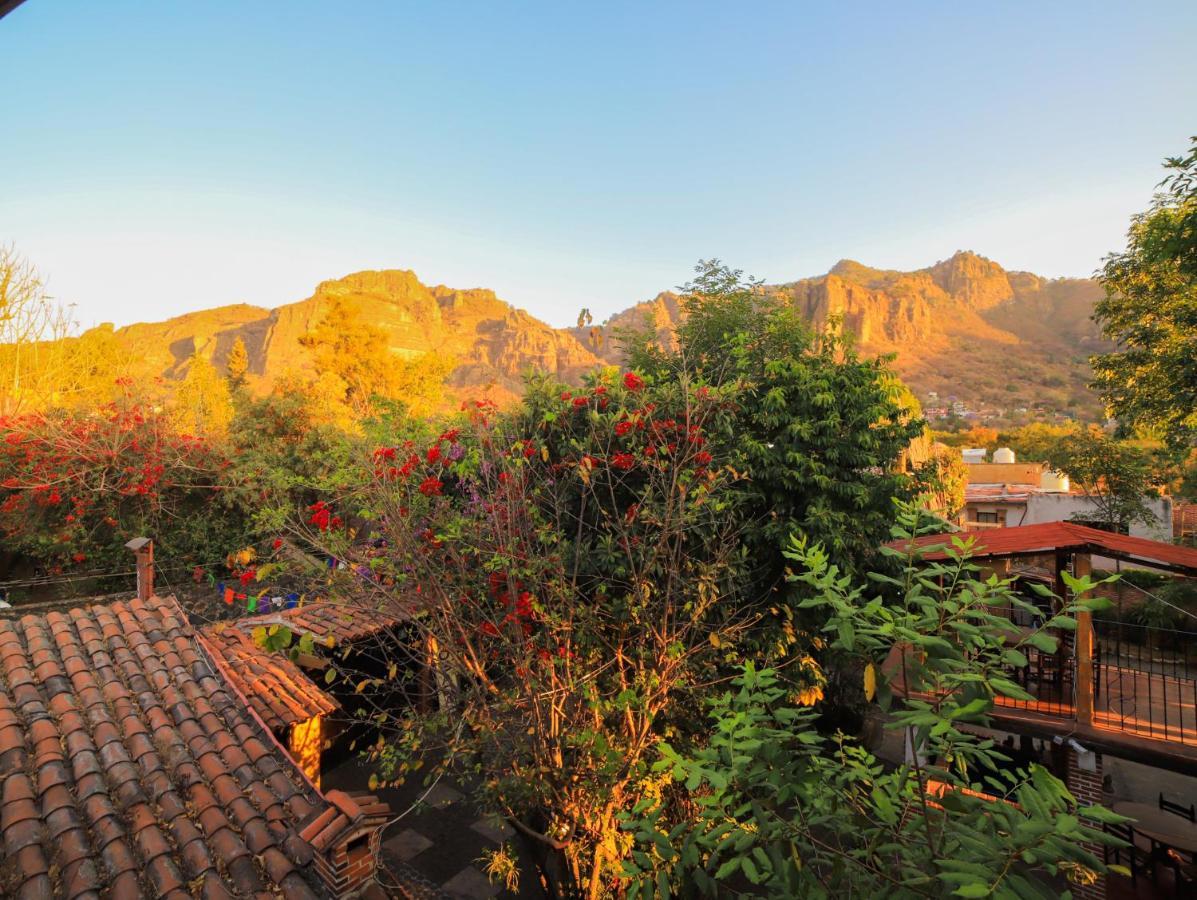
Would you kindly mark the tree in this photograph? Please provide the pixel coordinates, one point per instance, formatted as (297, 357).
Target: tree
(579, 565)
(1036, 441)
(354, 351)
(355, 367)
(769, 807)
(237, 365)
(1150, 312)
(202, 404)
(818, 432)
(30, 324)
(1115, 475)
(285, 457)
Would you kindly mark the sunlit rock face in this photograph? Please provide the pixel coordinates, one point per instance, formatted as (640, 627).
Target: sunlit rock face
(964, 327)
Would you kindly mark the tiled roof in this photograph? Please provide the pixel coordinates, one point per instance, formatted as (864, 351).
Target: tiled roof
(128, 769)
(1048, 537)
(280, 693)
(346, 624)
(1014, 492)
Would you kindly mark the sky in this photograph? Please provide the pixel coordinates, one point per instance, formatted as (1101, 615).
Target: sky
(157, 158)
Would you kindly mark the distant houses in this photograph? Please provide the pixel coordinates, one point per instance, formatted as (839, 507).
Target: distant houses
(1004, 492)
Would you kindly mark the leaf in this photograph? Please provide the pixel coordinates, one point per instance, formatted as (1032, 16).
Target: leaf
(330, 676)
(974, 889)
(870, 682)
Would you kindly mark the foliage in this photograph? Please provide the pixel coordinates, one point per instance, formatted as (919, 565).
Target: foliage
(941, 480)
(1150, 311)
(284, 459)
(817, 432)
(236, 367)
(1115, 475)
(77, 486)
(775, 809)
(355, 367)
(976, 436)
(578, 563)
(1037, 441)
(202, 404)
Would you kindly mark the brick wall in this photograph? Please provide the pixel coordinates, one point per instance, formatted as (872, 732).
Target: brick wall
(348, 866)
(1086, 787)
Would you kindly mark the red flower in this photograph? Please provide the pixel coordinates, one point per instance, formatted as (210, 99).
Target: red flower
(79, 557)
(622, 428)
(632, 381)
(434, 453)
(623, 461)
(278, 542)
(565, 395)
(579, 402)
(703, 458)
(431, 486)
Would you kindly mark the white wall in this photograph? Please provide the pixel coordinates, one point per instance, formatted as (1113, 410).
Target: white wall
(1061, 507)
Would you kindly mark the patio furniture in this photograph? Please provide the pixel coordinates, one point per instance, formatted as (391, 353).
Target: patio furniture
(1138, 857)
(1173, 837)
(1188, 812)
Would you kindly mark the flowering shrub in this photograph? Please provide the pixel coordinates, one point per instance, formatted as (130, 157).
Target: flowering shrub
(77, 486)
(576, 567)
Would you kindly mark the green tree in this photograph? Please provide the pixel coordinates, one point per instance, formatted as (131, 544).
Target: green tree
(1114, 474)
(766, 806)
(819, 434)
(237, 365)
(1150, 312)
(284, 458)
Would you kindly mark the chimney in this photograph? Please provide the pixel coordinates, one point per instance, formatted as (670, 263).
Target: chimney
(143, 549)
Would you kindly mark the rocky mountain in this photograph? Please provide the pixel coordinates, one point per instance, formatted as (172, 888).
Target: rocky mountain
(964, 328)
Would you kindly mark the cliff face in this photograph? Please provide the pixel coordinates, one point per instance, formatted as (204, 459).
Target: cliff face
(493, 342)
(964, 327)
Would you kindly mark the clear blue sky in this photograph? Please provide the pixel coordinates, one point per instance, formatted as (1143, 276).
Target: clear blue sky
(160, 157)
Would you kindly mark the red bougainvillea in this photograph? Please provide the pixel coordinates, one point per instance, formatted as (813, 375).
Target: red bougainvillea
(77, 486)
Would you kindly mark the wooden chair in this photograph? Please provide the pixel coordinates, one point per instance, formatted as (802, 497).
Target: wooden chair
(1185, 812)
(1138, 858)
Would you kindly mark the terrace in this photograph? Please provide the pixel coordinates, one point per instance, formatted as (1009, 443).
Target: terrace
(1116, 687)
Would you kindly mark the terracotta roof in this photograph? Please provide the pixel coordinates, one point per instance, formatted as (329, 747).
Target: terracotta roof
(346, 624)
(280, 693)
(1049, 537)
(1016, 492)
(129, 769)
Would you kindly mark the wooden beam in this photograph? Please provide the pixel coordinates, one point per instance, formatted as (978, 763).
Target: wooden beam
(1082, 566)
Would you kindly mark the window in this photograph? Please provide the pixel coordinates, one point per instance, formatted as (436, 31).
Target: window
(989, 518)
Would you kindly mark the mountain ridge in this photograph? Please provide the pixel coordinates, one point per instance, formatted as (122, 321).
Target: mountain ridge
(963, 327)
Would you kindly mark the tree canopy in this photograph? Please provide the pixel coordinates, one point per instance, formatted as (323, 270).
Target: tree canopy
(1150, 311)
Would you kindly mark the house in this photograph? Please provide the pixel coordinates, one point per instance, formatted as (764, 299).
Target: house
(1009, 493)
(132, 766)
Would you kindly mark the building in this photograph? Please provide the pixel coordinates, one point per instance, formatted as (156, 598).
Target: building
(1007, 494)
(1112, 691)
(131, 765)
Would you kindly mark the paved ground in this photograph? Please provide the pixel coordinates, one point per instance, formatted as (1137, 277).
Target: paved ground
(440, 839)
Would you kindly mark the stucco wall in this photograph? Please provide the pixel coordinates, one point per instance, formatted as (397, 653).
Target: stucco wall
(1062, 507)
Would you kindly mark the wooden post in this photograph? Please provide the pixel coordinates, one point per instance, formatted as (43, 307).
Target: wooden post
(143, 551)
(1082, 566)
